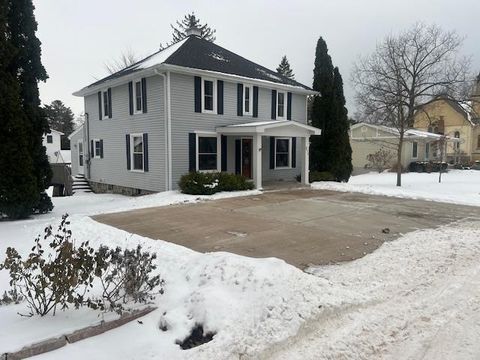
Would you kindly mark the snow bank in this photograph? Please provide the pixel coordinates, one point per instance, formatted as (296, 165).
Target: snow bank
(457, 186)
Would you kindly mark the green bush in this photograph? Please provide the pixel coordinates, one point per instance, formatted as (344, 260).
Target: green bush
(321, 176)
(198, 183)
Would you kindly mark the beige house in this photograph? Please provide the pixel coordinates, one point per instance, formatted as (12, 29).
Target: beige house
(367, 139)
(461, 121)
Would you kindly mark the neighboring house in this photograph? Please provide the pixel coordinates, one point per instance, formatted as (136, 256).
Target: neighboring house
(418, 145)
(193, 106)
(52, 143)
(462, 121)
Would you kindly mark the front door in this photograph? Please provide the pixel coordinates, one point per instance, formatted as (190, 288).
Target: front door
(247, 158)
(80, 157)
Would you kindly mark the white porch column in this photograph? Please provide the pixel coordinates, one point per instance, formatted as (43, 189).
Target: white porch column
(305, 160)
(257, 161)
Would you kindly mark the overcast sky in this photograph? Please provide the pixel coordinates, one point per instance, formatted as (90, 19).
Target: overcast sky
(79, 36)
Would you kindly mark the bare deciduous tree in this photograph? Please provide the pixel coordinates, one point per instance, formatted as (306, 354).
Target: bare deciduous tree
(406, 72)
(127, 58)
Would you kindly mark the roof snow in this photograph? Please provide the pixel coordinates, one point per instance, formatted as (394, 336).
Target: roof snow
(218, 57)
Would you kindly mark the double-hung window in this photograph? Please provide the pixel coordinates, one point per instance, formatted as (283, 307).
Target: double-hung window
(414, 150)
(247, 99)
(137, 97)
(97, 148)
(283, 151)
(49, 139)
(209, 90)
(137, 151)
(207, 153)
(105, 104)
(280, 105)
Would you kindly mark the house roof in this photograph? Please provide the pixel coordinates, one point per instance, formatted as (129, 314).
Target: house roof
(263, 126)
(55, 131)
(75, 132)
(463, 108)
(194, 52)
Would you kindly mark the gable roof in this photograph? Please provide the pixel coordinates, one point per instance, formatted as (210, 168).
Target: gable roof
(463, 108)
(409, 134)
(194, 52)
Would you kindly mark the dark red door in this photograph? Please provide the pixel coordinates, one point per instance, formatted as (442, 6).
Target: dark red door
(247, 158)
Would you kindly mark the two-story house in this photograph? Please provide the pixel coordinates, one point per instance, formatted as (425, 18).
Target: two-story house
(193, 106)
(459, 120)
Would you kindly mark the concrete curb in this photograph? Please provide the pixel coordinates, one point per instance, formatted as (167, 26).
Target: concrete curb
(89, 331)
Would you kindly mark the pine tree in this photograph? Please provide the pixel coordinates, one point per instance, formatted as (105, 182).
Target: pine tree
(191, 21)
(18, 185)
(331, 151)
(28, 70)
(60, 118)
(284, 68)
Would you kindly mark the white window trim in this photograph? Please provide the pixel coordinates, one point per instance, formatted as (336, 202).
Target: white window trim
(289, 153)
(214, 94)
(95, 155)
(414, 157)
(250, 87)
(284, 105)
(132, 136)
(197, 153)
(134, 92)
(103, 104)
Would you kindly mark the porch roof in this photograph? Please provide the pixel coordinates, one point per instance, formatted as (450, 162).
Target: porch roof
(270, 127)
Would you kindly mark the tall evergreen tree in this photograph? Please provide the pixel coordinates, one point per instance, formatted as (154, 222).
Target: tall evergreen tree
(18, 185)
(284, 68)
(27, 69)
(60, 118)
(331, 151)
(191, 21)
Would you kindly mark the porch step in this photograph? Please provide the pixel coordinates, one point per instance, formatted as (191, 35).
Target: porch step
(80, 184)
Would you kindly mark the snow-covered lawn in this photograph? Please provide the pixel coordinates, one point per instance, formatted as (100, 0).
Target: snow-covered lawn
(417, 296)
(457, 186)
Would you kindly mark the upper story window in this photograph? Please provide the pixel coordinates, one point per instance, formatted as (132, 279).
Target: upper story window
(137, 97)
(207, 153)
(281, 105)
(105, 104)
(209, 90)
(247, 99)
(49, 139)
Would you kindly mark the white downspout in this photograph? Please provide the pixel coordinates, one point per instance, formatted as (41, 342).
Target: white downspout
(169, 134)
(167, 153)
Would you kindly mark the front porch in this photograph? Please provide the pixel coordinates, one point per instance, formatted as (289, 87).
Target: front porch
(266, 151)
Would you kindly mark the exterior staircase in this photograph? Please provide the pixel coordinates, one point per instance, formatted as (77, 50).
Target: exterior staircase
(80, 185)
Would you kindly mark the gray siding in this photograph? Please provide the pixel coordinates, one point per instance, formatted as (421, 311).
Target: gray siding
(186, 120)
(112, 169)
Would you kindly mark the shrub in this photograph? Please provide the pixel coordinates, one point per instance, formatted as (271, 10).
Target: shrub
(64, 274)
(198, 183)
(321, 176)
(44, 205)
(380, 160)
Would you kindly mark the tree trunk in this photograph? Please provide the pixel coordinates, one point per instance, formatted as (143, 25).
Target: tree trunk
(399, 160)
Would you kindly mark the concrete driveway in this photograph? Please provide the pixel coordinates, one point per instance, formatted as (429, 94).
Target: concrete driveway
(303, 227)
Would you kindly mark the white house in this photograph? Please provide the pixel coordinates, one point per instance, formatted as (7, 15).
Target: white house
(53, 144)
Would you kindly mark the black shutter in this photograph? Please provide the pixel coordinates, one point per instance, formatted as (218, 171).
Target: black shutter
(198, 94)
(274, 104)
(238, 156)
(144, 95)
(99, 105)
(220, 97)
(145, 152)
(224, 152)
(130, 98)
(294, 152)
(92, 150)
(239, 99)
(289, 106)
(127, 143)
(272, 152)
(255, 101)
(101, 148)
(109, 92)
(192, 152)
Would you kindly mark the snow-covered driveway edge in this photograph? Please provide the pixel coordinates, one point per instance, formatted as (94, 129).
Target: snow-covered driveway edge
(460, 187)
